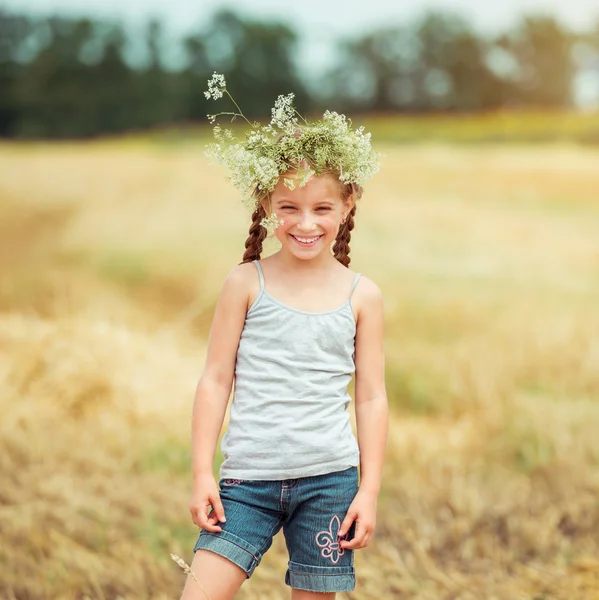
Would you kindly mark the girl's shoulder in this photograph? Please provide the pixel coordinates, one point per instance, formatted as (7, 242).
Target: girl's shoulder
(367, 297)
(367, 287)
(242, 274)
(243, 281)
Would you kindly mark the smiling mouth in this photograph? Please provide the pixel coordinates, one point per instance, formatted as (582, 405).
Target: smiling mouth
(306, 241)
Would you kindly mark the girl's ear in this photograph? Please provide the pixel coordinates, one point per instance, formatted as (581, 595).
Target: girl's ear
(347, 206)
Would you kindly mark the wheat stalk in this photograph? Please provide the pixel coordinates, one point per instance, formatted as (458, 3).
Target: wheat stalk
(188, 570)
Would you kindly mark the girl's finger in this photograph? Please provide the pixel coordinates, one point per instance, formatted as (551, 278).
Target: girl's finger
(210, 527)
(357, 539)
(352, 544)
(219, 510)
(203, 521)
(349, 519)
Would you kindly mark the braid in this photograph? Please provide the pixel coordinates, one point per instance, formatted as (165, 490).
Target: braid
(253, 245)
(341, 248)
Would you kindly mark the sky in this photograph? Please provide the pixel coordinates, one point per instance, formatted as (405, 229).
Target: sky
(320, 17)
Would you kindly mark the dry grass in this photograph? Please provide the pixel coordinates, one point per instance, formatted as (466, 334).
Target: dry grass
(111, 259)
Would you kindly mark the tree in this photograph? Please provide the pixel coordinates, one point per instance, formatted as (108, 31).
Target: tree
(437, 61)
(542, 50)
(14, 31)
(375, 71)
(454, 73)
(256, 57)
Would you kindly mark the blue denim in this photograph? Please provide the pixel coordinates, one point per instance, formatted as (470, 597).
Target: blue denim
(309, 509)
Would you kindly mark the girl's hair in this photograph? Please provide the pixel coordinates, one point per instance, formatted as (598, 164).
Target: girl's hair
(341, 249)
(253, 245)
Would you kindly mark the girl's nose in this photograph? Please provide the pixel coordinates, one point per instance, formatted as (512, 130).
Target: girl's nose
(306, 223)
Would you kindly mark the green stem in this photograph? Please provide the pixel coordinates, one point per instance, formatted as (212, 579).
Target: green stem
(239, 109)
(226, 113)
(300, 115)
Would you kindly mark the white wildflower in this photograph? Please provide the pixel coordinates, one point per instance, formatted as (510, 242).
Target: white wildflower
(216, 86)
(283, 112)
(306, 175)
(257, 162)
(271, 222)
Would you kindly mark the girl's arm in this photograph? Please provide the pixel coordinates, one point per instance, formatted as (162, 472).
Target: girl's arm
(370, 393)
(371, 412)
(215, 384)
(214, 388)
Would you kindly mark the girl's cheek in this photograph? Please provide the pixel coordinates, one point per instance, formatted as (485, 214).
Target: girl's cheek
(333, 222)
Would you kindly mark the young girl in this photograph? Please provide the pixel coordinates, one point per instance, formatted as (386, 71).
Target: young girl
(290, 330)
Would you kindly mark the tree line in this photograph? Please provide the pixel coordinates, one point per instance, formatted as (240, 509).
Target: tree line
(66, 78)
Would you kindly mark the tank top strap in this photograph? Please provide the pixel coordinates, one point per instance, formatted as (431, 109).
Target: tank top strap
(260, 274)
(354, 284)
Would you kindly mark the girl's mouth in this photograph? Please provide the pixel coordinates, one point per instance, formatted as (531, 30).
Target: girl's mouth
(306, 242)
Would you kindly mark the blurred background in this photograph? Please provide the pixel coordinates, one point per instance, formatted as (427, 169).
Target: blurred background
(71, 69)
(481, 230)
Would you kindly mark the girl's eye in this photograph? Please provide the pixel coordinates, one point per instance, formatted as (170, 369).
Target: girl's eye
(323, 208)
(287, 207)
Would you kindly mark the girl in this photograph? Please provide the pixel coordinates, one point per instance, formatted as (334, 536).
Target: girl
(290, 330)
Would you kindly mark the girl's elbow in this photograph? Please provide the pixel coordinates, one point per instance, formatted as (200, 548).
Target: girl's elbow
(378, 399)
(215, 381)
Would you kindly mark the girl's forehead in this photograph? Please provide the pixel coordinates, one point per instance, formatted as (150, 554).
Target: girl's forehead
(317, 189)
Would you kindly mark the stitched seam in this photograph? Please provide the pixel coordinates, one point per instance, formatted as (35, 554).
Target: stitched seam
(270, 535)
(306, 312)
(218, 537)
(255, 303)
(300, 567)
(321, 574)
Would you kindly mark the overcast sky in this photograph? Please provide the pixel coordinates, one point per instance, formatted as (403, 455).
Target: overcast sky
(320, 16)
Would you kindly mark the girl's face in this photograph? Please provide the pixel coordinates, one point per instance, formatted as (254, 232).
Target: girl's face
(311, 215)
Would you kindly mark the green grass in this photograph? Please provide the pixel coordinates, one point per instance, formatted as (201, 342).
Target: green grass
(167, 456)
(515, 126)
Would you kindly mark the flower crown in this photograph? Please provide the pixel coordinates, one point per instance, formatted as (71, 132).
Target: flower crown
(289, 141)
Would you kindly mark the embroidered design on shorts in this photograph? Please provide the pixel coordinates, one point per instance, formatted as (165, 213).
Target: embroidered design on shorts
(232, 481)
(327, 540)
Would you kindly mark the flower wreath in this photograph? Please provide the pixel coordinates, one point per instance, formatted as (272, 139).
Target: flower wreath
(289, 141)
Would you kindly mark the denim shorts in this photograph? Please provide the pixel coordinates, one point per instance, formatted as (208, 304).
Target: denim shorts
(309, 509)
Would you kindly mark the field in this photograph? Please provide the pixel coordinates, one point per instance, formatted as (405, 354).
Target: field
(112, 254)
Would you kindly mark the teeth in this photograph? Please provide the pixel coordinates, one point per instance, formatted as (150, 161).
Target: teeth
(306, 240)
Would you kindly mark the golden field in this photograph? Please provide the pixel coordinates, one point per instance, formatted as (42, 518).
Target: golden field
(112, 254)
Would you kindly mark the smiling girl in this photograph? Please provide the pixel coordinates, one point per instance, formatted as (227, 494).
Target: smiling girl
(289, 331)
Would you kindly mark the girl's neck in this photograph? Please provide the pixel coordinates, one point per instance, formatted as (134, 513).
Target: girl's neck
(323, 262)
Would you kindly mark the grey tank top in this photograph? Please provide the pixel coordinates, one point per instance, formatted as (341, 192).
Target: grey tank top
(289, 415)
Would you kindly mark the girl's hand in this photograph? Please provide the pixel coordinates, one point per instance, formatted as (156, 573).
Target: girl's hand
(205, 493)
(363, 511)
